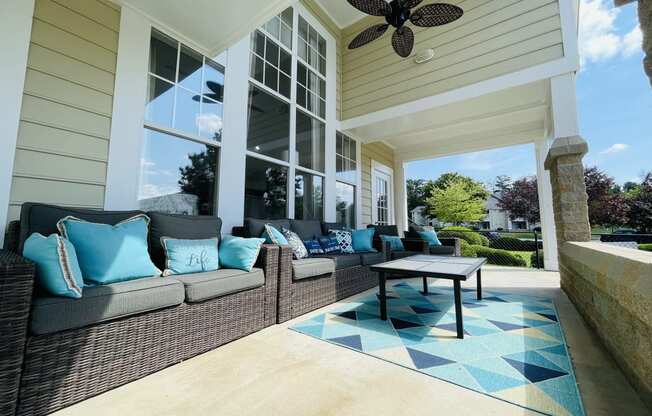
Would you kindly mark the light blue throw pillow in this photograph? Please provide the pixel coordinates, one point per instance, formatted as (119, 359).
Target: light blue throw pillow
(190, 256)
(57, 269)
(110, 253)
(240, 253)
(395, 243)
(363, 240)
(274, 236)
(430, 237)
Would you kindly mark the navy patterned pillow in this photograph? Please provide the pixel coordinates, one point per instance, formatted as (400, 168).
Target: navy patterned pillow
(344, 240)
(313, 247)
(298, 249)
(329, 245)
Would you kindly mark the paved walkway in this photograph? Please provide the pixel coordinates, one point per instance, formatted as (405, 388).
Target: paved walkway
(280, 372)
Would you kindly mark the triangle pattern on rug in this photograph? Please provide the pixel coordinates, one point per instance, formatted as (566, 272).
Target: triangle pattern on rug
(424, 360)
(352, 341)
(505, 326)
(348, 314)
(401, 324)
(532, 372)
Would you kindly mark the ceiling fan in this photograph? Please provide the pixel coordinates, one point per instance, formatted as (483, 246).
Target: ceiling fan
(397, 14)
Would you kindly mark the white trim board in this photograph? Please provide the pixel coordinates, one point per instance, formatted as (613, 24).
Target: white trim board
(526, 76)
(15, 36)
(389, 172)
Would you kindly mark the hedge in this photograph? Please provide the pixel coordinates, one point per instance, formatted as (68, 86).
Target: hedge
(464, 233)
(514, 244)
(645, 247)
(467, 250)
(499, 257)
(533, 259)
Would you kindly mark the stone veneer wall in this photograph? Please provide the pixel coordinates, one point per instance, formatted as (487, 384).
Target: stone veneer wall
(612, 289)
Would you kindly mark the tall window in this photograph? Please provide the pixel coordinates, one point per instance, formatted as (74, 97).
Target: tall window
(286, 138)
(183, 129)
(346, 167)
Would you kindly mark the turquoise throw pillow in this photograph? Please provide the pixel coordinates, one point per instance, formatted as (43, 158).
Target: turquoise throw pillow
(274, 236)
(110, 253)
(363, 240)
(57, 269)
(190, 256)
(395, 243)
(240, 253)
(430, 237)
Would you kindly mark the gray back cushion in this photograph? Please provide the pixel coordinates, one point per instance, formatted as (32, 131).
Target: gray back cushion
(384, 230)
(43, 218)
(306, 229)
(185, 227)
(327, 226)
(254, 228)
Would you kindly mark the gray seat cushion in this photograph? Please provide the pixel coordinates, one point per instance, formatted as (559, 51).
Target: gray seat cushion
(187, 227)
(103, 303)
(369, 259)
(306, 229)
(254, 227)
(43, 218)
(403, 254)
(312, 267)
(209, 285)
(442, 250)
(344, 261)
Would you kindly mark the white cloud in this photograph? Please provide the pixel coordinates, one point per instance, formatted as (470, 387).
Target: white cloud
(598, 38)
(615, 148)
(632, 42)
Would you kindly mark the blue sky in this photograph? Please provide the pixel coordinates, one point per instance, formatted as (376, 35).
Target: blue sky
(614, 100)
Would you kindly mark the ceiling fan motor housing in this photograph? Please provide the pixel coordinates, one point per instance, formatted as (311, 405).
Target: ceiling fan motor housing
(399, 14)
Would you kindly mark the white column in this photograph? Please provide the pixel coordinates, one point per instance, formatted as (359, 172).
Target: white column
(130, 95)
(546, 208)
(563, 103)
(400, 196)
(233, 154)
(15, 34)
(330, 195)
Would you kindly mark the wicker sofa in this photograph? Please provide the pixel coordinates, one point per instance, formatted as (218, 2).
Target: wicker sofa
(308, 284)
(51, 358)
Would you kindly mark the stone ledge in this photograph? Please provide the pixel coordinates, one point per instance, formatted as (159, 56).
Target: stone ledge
(565, 146)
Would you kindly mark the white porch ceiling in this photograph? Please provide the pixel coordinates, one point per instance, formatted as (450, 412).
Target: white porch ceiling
(342, 13)
(211, 25)
(509, 117)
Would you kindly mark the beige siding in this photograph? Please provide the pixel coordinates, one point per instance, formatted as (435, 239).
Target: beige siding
(381, 153)
(334, 30)
(62, 147)
(492, 39)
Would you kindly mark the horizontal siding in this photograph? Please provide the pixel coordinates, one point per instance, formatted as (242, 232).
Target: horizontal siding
(381, 153)
(63, 138)
(492, 39)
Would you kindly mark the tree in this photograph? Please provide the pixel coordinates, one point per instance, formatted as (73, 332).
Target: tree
(640, 206)
(521, 199)
(416, 195)
(457, 199)
(502, 184)
(198, 178)
(599, 188)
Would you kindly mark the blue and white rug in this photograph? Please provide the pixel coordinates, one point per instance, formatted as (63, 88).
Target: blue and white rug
(513, 348)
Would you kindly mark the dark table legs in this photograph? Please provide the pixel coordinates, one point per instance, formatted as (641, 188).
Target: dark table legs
(383, 296)
(458, 309)
(425, 285)
(479, 279)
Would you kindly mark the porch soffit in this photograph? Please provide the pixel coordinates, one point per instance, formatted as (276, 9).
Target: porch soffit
(209, 25)
(508, 117)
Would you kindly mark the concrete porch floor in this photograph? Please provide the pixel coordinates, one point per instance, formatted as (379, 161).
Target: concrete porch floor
(280, 372)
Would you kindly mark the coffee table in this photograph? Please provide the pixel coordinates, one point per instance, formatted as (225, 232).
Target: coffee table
(457, 269)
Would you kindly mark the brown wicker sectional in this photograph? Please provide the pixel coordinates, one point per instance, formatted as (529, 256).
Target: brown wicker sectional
(40, 374)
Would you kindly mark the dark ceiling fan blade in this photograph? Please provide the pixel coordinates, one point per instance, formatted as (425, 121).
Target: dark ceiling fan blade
(214, 86)
(436, 14)
(368, 35)
(410, 3)
(204, 98)
(403, 41)
(372, 7)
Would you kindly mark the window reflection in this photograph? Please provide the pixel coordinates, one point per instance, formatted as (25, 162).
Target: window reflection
(345, 205)
(309, 197)
(311, 139)
(269, 125)
(265, 190)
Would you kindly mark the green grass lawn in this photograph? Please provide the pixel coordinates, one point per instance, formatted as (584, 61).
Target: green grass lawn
(518, 235)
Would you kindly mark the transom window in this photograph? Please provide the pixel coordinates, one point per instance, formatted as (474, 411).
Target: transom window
(286, 126)
(182, 130)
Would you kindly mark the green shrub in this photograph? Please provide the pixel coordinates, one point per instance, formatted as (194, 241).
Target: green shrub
(466, 234)
(514, 244)
(533, 259)
(467, 249)
(645, 247)
(499, 257)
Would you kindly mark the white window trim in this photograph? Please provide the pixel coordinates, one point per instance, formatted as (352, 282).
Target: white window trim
(15, 35)
(379, 167)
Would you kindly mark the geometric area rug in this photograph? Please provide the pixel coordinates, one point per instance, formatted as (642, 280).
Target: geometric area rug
(513, 348)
